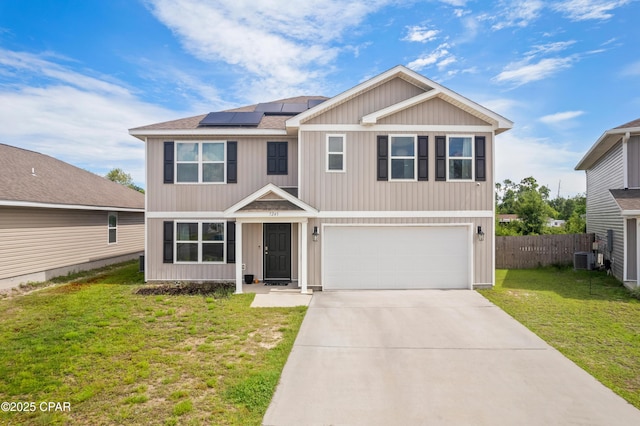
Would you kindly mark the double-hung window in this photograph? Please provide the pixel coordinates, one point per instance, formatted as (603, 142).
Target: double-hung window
(200, 162)
(112, 225)
(200, 242)
(460, 157)
(336, 153)
(403, 157)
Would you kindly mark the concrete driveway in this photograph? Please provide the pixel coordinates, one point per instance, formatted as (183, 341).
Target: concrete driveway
(431, 357)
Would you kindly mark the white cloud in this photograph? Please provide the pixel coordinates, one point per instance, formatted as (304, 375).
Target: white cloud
(455, 3)
(524, 72)
(420, 34)
(517, 13)
(583, 10)
(518, 157)
(551, 47)
(76, 118)
(631, 70)
(280, 48)
(440, 55)
(560, 117)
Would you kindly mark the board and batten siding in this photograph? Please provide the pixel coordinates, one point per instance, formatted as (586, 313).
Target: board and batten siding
(633, 162)
(375, 99)
(433, 112)
(34, 240)
(252, 175)
(482, 250)
(252, 256)
(603, 212)
(358, 188)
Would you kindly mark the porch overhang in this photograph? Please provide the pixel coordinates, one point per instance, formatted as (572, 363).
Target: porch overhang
(270, 203)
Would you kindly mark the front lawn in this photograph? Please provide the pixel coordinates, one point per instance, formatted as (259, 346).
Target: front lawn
(121, 358)
(589, 317)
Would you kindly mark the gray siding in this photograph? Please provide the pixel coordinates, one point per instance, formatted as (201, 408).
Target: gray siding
(632, 235)
(359, 189)
(37, 239)
(380, 97)
(602, 211)
(434, 112)
(482, 250)
(633, 162)
(252, 175)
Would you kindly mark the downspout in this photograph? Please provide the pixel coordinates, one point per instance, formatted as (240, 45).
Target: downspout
(625, 159)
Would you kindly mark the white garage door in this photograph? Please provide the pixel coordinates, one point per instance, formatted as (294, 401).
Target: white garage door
(396, 257)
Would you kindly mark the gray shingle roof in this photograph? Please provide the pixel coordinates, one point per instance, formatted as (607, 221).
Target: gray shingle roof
(627, 199)
(631, 124)
(267, 122)
(57, 182)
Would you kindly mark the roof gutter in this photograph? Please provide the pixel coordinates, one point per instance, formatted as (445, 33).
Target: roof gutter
(10, 203)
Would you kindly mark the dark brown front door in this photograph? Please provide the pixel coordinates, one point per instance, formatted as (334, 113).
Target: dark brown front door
(277, 251)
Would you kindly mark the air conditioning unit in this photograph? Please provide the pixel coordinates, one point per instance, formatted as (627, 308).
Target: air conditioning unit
(583, 260)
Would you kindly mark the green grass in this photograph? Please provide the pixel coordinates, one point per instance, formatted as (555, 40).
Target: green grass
(122, 358)
(589, 317)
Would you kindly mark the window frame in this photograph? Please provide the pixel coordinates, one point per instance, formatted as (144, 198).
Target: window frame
(200, 162)
(112, 228)
(471, 158)
(199, 242)
(405, 157)
(343, 153)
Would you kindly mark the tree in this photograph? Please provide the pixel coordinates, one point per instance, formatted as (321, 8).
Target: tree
(120, 176)
(529, 201)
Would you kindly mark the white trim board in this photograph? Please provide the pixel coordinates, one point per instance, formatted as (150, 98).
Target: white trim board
(395, 128)
(406, 214)
(67, 206)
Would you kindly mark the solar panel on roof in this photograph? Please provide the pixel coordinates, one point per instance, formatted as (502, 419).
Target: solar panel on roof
(270, 107)
(232, 119)
(294, 108)
(313, 102)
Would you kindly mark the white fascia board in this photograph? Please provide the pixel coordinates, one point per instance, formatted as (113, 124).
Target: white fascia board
(406, 214)
(209, 132)
(9, 203)
(627, 213)
(396, 128)
(392, 109)
(231, 211)
(603, 145)
(185, 215)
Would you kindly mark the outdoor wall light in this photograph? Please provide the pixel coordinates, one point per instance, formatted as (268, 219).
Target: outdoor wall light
(480, 234)
(315, 233)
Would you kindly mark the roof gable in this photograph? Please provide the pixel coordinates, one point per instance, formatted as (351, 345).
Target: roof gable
(270, 198)
(606, 142)
(30, 177)
(430, 89)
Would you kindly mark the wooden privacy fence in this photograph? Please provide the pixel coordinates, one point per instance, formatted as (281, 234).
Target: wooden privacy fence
(531, 251)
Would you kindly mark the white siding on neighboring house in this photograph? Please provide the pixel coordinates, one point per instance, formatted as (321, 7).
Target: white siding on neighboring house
(602, 211)
(633, 162)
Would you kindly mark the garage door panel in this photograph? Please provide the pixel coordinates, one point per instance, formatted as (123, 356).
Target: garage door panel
(402, 257)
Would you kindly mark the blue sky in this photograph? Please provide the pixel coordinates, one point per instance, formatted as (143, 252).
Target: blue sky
(75, 75)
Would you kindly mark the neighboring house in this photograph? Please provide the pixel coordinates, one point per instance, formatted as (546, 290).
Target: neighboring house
(383, 186)
(612, 167)
(555, 223)
(507, 218)
(56, 218)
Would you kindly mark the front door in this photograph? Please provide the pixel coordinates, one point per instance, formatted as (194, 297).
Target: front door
(277, 251)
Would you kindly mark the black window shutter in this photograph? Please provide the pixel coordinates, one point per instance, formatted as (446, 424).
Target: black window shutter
(383, 157)
(423, 158)
(441, 158)
(167, 245)
(277, 158)
(168, 162)
(232, 162)
(231, 242)
(481, 171)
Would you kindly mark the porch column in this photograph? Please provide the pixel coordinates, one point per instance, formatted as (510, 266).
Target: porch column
(238, 257)
(303, 257)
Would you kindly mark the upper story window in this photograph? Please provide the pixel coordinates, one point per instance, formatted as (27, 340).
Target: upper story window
(336, 153)
(403, 157)
(112, 225)
(200, 162)
(200, 242)
(460, 158)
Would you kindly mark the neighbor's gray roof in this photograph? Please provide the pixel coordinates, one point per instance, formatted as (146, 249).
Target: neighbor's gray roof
(276, 122)
(627, 199)
(606, 142)
(57, 182)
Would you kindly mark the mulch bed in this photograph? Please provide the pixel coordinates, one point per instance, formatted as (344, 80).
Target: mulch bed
(188, 288)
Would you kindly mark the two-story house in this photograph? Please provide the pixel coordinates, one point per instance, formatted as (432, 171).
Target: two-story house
(389, 185)
(612, 166)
